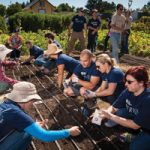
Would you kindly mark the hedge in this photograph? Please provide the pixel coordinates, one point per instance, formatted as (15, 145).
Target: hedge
(3, 26)
(33, 22)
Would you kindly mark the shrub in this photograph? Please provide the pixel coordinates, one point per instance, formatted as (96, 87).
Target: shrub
(3, 27)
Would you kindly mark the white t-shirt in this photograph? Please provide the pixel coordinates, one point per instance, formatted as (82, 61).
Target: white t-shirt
(118, 21)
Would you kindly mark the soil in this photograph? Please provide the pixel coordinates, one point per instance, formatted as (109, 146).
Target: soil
(63, 112)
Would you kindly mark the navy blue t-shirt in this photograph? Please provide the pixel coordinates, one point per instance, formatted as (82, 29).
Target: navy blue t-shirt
(137, 106)
(36, 51)
(69, 62)
(115, 75)
(78, 23)
(12, 117)
(86, 73)
(95, 23)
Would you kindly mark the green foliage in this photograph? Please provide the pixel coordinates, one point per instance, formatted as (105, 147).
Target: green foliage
(3, 27)
(100, 5)
(65, 7)
(14, 8)
(2, 10)
(33, 22)
(142, 25)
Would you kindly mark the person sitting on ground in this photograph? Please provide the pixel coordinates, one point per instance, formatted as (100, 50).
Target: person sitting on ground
(85, 75)
(131, 109)
(17, 127)
(34, 50)
(112, 79)
(5, 82)
(47, 65)
(15, 42)
(63, 62)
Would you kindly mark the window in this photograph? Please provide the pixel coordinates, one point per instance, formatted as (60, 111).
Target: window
(42, 11)
(42, 3)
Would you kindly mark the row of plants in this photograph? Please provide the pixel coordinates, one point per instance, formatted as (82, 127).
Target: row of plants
(139, 41)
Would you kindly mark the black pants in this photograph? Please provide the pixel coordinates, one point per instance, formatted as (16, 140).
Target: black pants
(106, 42)
(92, 42)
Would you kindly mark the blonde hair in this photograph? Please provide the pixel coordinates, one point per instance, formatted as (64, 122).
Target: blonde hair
(86, 52)
(105, 58)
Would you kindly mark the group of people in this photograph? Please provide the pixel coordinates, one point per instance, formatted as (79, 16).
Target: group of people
(119, 31)
(90, 77)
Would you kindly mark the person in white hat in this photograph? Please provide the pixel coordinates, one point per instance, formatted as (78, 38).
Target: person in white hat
(17, 127)
(5, 82)
(63, 62)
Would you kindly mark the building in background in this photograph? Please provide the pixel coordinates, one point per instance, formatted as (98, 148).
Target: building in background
(40, 6)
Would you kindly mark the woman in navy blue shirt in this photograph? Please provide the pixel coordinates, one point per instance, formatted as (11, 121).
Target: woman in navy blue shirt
(112, 79)
(132, 108)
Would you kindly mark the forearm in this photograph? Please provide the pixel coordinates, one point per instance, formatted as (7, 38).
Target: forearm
(86, 84)
(106, 92)
(124, 122)
(60, 79)
(47, 136)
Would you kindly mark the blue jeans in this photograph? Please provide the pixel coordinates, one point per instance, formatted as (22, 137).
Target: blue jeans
(115, 41)
(41, 61)
(141, 142)
(16, 141)
(125, 38)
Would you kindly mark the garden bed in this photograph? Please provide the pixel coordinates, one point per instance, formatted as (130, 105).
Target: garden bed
(64, 112)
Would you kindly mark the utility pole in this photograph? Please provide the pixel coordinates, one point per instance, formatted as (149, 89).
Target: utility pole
(129, 3)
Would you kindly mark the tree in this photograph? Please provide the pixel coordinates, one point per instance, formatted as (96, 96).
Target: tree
(146, 7)
(65, 7)
(14, 8)
(101, 6)
(2, 10)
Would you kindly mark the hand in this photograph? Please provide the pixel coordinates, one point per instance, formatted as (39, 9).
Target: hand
(42, 123)
(89, 94)
(75, 79)
(74, 131)
(105, 114)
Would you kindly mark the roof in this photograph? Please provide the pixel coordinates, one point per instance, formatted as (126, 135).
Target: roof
(34, 2)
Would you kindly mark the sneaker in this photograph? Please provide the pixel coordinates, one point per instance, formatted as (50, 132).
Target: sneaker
(110, 124)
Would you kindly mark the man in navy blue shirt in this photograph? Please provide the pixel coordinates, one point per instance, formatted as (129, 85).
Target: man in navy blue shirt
(77, 25)
(93, 27)
(85, 76)
(131, 109)
(35, 52)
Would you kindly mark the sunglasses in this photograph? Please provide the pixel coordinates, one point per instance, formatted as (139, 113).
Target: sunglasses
(129, 81)
(97, 67)
(120, 8)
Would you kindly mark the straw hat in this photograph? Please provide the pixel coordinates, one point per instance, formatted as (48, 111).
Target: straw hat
(52, 49)
(23, 92)
(4, 51)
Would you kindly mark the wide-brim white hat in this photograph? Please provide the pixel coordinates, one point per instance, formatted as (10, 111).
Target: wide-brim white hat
(52, 49)
(4, 51)
(23, 92)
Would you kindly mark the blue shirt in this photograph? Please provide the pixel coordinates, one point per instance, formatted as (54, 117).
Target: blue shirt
(95, 23)
(12, 117)
(57, 43)
(137, 106)
(78, 23)
(115, 75)
(35, 51)
(86, 73)
(69, 62)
